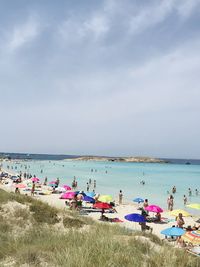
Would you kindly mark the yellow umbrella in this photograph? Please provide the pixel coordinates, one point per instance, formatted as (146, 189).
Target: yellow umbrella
(194, 206)
(192, 237)
(105, 198)
(176, 213)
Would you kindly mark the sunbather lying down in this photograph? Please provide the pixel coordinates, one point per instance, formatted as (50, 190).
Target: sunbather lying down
(106, 219)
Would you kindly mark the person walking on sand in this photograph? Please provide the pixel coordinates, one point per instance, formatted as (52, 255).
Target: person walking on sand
(33, 189)
(120, 197)
(180, 222)
(146, 203)
(17, 190)
(45, 181)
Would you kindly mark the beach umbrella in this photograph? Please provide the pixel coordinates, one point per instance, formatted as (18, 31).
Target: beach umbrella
(176, 213)
(35, 179)
(138, 200)
(105, 198)
(192, 237)
(90, 194)
(194, 206)
(60, 189)
(135, 217)
(102, 205)
(20, 186)
(67, 187)
(173, 231)
(52, 183)
(68, 195)
(89, 199)
(153, 208)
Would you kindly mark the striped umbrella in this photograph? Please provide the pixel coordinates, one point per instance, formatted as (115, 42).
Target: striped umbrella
(192, 237)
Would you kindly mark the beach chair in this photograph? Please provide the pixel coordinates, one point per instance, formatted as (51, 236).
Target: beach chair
(194, 251)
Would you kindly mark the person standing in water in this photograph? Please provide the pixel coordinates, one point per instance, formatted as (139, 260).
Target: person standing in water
(185, 200)
(95, 184)
(120, 197)
(88, 187)
(197, 192)
(190, 192)
(170, 202)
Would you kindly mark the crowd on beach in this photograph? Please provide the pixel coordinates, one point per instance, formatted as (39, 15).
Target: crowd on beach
(79, 201)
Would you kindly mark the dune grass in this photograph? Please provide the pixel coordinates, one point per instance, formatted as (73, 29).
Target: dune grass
(67, 240)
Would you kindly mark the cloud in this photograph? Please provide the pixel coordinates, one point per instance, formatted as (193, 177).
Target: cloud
(103, 78)
(22, 34)
(153, 13)
(186, 7)
(78, 30)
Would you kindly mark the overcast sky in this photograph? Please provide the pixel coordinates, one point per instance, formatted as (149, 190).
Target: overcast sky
(100, 77)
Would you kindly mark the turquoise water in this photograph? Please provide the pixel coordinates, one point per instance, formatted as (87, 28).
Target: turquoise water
(159, 178)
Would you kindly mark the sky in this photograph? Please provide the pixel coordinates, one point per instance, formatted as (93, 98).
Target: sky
(100, 77)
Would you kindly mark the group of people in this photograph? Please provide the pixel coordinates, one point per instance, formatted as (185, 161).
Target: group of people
(190, 192)
(170, 199)
(89, 185)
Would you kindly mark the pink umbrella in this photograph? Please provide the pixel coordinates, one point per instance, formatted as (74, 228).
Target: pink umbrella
(35, 179)
(67, 187)
(52, 182)
(68, 195)
(154, 208)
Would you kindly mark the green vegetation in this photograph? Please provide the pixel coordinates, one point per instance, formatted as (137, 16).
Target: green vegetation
(35, 234)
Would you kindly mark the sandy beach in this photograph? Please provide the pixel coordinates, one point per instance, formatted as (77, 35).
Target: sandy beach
(122, 210)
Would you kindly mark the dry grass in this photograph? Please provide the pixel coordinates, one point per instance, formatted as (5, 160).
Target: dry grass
(42, 244)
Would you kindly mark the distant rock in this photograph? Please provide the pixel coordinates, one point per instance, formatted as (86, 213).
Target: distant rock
(121, 159)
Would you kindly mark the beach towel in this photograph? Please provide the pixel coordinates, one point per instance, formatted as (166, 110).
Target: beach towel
(117, 220)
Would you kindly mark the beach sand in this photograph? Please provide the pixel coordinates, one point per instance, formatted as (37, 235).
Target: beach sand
(122, 210)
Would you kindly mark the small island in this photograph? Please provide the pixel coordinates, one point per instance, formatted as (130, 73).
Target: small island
(121, 159)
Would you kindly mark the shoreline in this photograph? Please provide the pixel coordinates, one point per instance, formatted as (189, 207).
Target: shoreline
(122, 210)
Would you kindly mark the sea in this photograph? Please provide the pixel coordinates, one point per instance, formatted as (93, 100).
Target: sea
(111, 177)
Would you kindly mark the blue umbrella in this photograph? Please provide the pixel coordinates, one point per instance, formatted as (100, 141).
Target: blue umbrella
(173, 231)
(89, 199)
(138, 200)
(135, 217)
(80, 192)
(90, 194)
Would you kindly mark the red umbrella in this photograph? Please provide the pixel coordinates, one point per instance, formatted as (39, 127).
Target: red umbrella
(102, 205)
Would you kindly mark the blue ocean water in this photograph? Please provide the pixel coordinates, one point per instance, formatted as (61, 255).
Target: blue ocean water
(113, 176)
